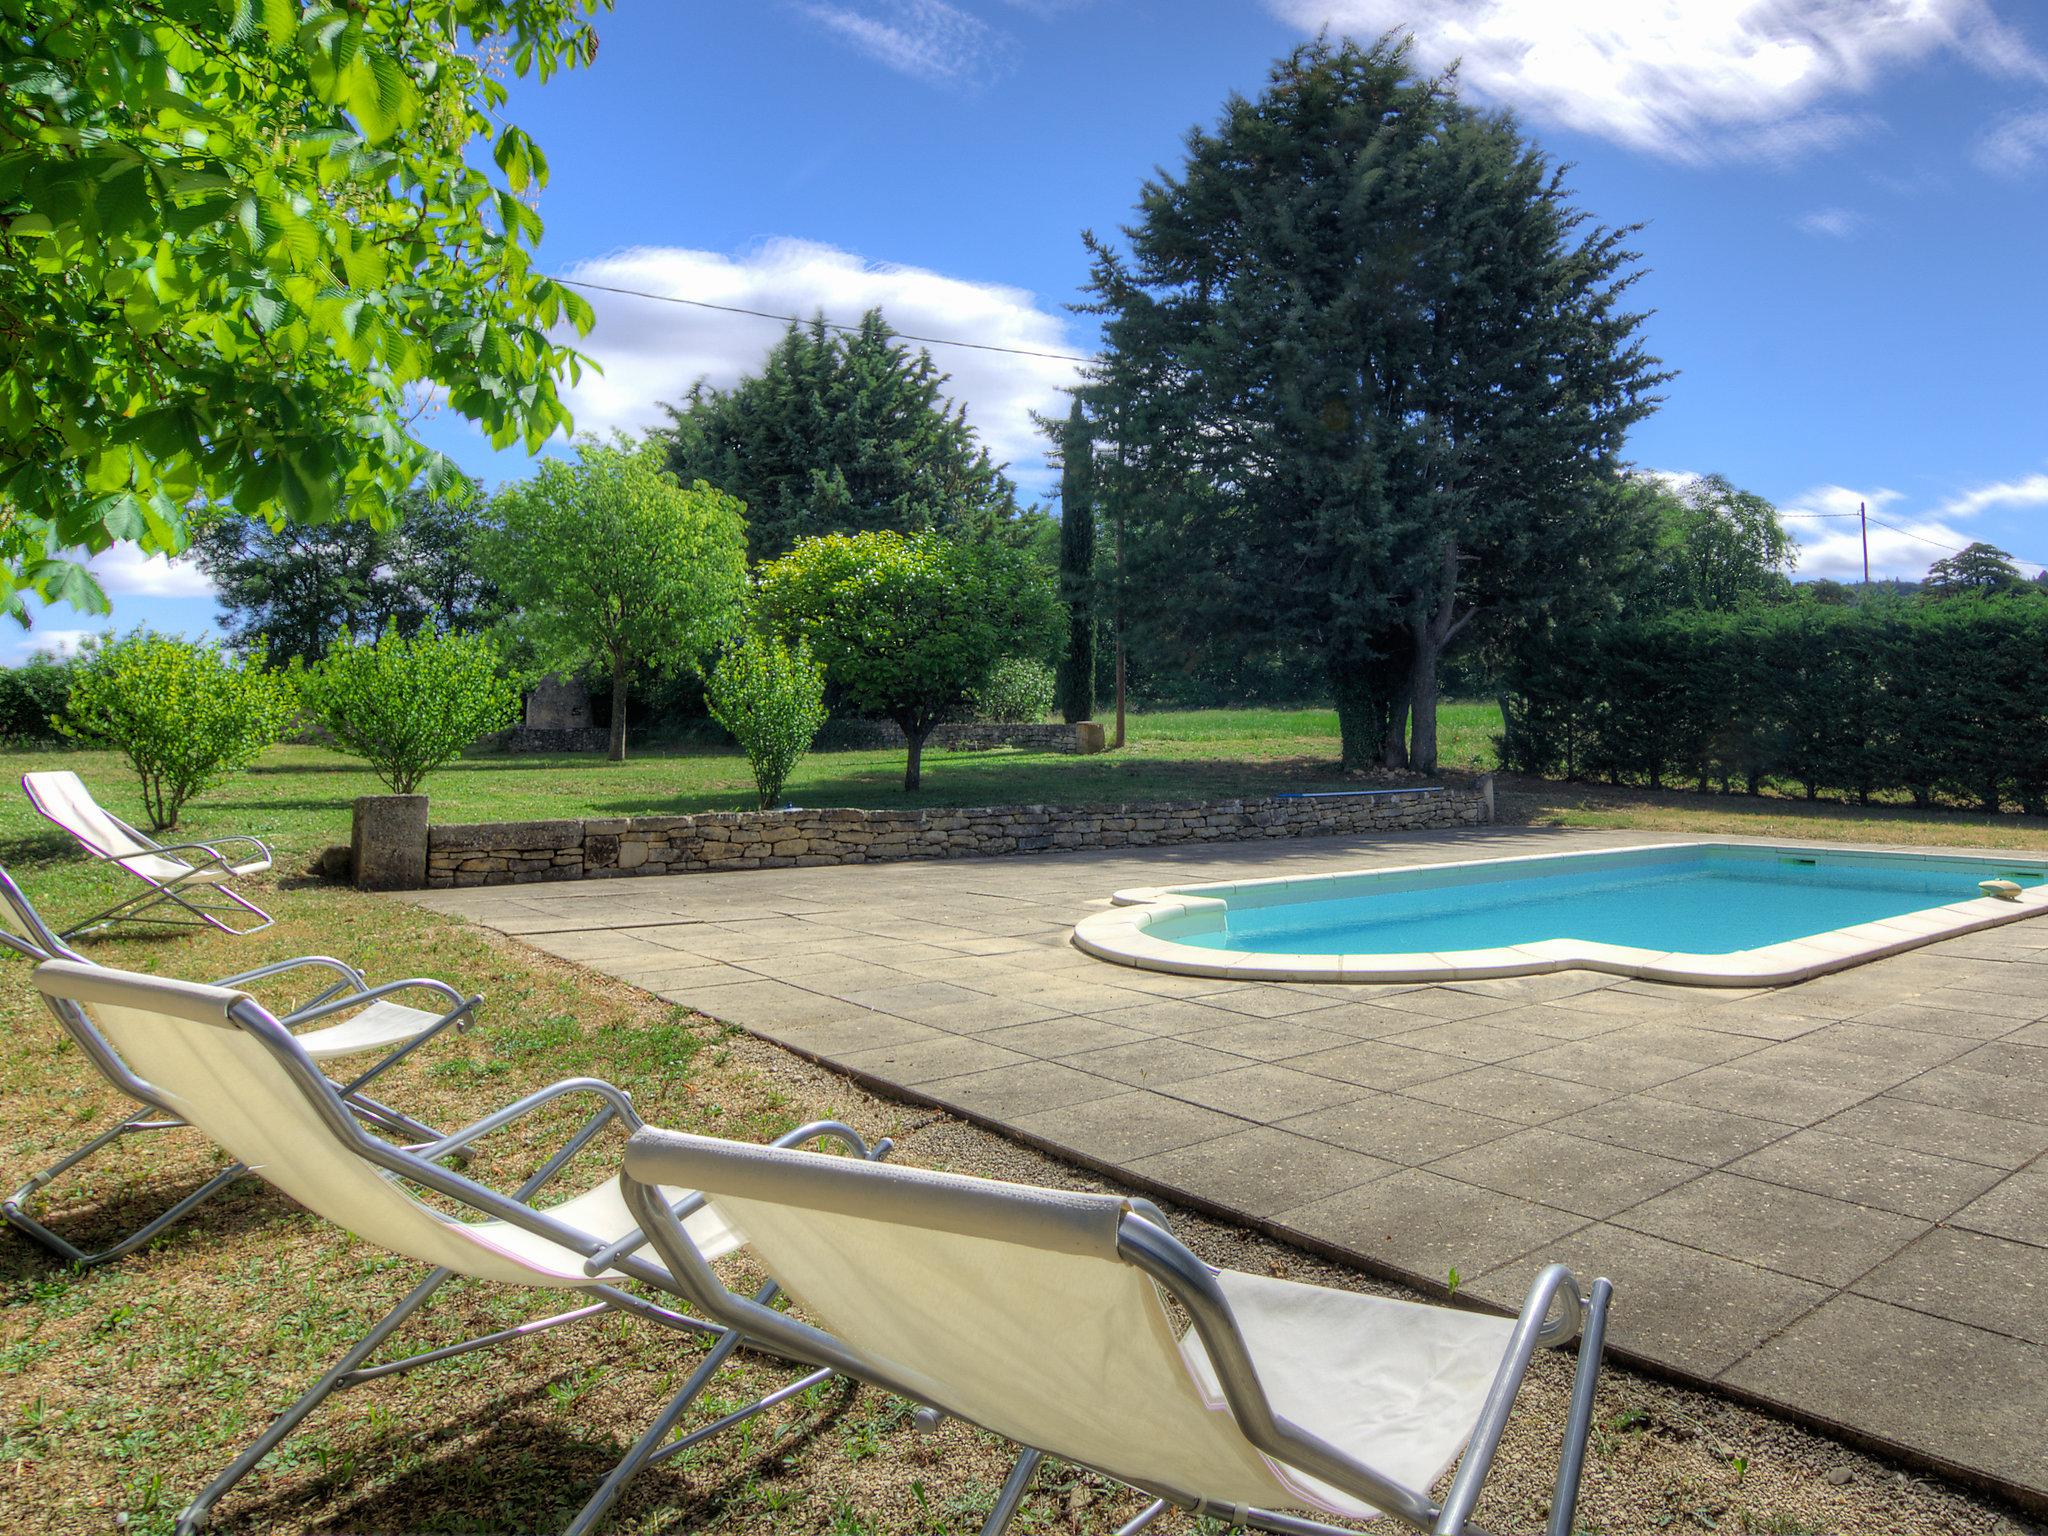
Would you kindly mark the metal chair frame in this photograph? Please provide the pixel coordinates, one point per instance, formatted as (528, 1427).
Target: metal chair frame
(1144, 1242)
(136, 908)
(349, 990)
(418, 1166)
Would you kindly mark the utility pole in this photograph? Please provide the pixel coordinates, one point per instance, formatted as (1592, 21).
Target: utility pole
(1863, 519)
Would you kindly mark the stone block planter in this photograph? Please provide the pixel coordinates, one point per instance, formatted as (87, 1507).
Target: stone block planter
(388, 843)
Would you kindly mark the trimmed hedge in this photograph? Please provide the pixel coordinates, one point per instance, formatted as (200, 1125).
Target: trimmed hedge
(1942, 701)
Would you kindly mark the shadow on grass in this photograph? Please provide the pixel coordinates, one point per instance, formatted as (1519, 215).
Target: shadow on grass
(246, 1206)
(953, 783)
(519, 1463)
(1538, 797)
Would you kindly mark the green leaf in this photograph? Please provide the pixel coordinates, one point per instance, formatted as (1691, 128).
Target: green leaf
(280, 21)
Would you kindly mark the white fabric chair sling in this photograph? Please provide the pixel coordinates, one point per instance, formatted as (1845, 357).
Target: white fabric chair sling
(350, 1018)
(217, 1060)
(62, 798)
(1038, 1315)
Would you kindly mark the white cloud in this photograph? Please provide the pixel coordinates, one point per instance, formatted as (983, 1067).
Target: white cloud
(1833, 223)
(928, 40)
(2027, 491)
(652, 351)
(61, 642)
(125, 571)
(2016, 146)
(1691, 80)
(1900, 545)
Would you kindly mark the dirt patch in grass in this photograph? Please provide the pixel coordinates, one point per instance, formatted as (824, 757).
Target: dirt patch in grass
(124, 1390)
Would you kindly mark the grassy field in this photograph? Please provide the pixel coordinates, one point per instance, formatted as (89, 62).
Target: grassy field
(298, 798)
(123, 1390)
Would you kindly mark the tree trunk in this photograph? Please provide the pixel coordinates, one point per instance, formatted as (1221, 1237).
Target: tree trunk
(1361, 713)
(1422, 706)
(1431, 633)
(1394, 739)
(618, 752)
(913, 762)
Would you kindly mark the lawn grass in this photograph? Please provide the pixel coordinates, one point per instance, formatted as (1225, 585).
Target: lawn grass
(123, 1390)
(298, 798)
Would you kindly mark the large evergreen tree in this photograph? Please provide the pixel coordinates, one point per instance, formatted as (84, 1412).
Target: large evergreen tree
(1077, 567)
(296, 588)
(1371, 372)
(842, 433)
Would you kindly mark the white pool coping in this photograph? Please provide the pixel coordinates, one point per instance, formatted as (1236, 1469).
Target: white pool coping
(1121, 935)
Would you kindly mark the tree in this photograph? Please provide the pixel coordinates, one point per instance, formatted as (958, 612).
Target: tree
(185, 716)
(771, 697)
(1720, 548)
(239, 241)
(408, 704)
(1982, 570)
(1077, 567)
(1371, 372)
(608, 560)
(294, 588)
(843, 433)
(906, 626)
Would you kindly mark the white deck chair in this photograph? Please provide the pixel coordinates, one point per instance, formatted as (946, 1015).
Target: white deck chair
(1037, 1314)
(220, 1062)
(62, 798)
(352, 1019)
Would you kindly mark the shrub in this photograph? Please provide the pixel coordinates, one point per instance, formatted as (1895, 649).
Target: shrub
(32, 697)
(907, 626)
(771, 696)
(1017, 690)
(1856, 700)
(407, 706)
(184, 715)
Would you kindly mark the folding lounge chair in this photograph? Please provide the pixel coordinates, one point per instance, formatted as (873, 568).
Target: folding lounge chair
(363, 1019)
(63, 798)
(1037, 1315)
(219, 1061)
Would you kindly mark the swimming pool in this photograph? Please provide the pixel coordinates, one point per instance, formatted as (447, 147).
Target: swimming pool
(1728, 914)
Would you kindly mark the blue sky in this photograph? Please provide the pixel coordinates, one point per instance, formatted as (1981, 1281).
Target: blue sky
(1846, 205)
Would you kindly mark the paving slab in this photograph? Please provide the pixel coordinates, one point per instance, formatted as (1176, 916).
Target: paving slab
(1830, 1199)
(1970, 1400)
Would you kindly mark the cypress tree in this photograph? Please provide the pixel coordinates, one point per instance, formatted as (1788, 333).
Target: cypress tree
(1077, 567)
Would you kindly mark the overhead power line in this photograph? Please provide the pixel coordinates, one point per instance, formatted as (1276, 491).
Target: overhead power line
(1878, 522)
(830, 325)
(1058, 357)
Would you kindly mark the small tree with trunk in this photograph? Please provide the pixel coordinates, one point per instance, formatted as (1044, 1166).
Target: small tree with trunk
(185, 716)
(607, 560)
(1982, 570)
(1077, 567)
(907, 626)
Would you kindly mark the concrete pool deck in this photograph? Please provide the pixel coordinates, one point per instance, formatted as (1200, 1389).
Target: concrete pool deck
(1829, 1199)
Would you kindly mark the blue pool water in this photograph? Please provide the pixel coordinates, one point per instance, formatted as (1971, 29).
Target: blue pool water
(1707, 899)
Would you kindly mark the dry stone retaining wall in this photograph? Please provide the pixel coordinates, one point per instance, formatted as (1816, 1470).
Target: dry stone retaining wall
(508, 853)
